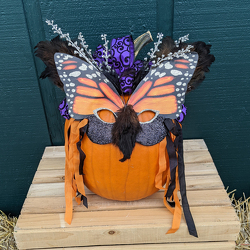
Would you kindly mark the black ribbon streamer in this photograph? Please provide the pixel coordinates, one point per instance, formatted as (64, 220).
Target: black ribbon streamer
(175, 128)
(82, 131)
(83, 199)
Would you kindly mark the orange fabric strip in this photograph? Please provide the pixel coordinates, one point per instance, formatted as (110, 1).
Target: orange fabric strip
(177, 210)
(68, 175)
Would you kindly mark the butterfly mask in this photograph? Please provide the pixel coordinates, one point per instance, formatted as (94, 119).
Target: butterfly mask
(161, 91)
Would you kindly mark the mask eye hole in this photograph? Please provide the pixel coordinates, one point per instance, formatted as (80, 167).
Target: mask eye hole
(105, 115)
(147, 116)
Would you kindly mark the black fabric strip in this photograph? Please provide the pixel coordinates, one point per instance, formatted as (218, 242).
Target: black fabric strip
(171, 148)
(182, 181)
(82, 131)
(84, 200)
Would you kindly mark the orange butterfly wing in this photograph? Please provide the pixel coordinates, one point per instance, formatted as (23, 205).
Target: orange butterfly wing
(85, 87)
(164, 87)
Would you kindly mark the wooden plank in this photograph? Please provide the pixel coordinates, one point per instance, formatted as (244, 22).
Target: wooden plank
(177, 246)
(191, 168)
(38, 205)
(188, 145)
(192, 183)
(49, 171)
(123, 227)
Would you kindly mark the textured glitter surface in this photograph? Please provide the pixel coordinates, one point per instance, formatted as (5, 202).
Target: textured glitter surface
(151, 134)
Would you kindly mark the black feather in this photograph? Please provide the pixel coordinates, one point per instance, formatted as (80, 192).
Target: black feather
(124, 131)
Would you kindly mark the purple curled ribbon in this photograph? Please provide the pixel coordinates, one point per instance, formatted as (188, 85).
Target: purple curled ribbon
(121, 60)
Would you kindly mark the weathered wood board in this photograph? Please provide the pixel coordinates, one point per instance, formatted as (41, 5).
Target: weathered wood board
(141, 224)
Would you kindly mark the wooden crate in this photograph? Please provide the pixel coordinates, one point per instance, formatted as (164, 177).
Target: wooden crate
(117, 225)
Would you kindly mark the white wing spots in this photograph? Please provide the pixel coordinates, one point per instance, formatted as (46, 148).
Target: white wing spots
(195, 61)
(64, 79)
(91, 67)
(68, 89)
(177, 89)
(161, 65)
(105, 80)
(69, 111)
(60, 61)
(57, 56)
(186, 74)
(187, 78)
(162, 74)
(179, 101)
(177, 115)
(182, 99)
(179, 95)
(61, 54)
(83, 67)
(145, 79)
(60, 76)
(157, 73)
(71, 96)
(75, 73)
(183, 94)
(192, 67)
(98, 73)
(73, 90)
(180, 110)
(193, 55)
(68, 79)
(64, 74)
(66, 57)
(168, 65)
(152, 71)
(184, 84)
(182, 89)
(71, 102)
(190, 60)
(68, 100)
(67, 94)
(175, 72)
(59, 68)
(72, 84)
(89, 76)
(182, 79)
(94, 75)
(178, 83)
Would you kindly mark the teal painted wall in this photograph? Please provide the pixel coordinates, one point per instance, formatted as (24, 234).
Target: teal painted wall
(218, 110)
(24, 132)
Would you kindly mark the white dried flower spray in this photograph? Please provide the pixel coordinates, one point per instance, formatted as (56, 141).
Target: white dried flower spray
(170, 56)
(181, 40)
(106, 55)
(83, 51)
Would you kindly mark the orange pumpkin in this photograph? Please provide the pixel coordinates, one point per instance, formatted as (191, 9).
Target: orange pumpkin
(143, 174)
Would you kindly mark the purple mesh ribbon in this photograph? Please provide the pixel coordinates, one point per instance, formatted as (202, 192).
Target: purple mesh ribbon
(182, 114)
(63, 108)
(121, 60)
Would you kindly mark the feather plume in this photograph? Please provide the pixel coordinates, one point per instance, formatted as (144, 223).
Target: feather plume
(204, 62)
(45, 50)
